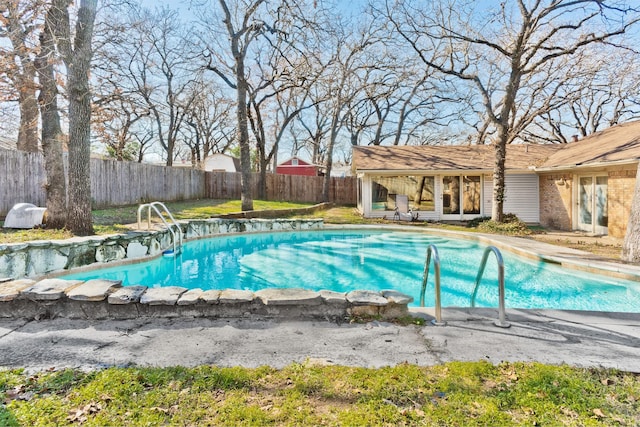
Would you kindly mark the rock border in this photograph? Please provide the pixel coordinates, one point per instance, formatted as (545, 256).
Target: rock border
(39, 258)
(99, 299)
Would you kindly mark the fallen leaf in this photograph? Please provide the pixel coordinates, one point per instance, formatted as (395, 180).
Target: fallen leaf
(569, 412)
(619, 421)
(77, 416)
(598, 413)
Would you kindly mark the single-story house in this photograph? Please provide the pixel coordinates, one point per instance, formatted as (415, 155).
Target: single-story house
(220, 162)
(584, 185)
(297, 166)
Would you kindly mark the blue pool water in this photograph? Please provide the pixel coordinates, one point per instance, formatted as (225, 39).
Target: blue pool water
(346, 260)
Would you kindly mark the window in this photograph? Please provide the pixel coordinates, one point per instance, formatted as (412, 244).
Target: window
(420, 189)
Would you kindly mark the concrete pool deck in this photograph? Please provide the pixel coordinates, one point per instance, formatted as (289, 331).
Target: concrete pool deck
(583, 339)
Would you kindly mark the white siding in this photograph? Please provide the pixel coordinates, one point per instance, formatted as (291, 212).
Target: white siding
(522, 197)
(219, 162)
(487, 195)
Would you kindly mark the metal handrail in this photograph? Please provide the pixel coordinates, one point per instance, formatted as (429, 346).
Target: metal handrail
(425, 276)
(501, 322)
(176, 241)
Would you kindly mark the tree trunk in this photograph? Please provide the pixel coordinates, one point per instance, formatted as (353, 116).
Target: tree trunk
(326, 183)
(19, 33)
(262, 187)
(631, 245)
(28, 132)
(417, 200)
(497, 209)
(80, 221)
(51, 132)
(243, 138)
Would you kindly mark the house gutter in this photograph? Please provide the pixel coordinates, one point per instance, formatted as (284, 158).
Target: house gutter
(360, 172)
(586, 165)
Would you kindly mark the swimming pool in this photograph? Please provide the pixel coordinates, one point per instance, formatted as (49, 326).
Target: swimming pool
(345, 260)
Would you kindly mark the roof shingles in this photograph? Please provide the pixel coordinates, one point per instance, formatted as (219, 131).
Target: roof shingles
(620, 143)
(448, 158)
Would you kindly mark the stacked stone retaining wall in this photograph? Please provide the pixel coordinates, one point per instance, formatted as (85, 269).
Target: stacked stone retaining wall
(39, 258)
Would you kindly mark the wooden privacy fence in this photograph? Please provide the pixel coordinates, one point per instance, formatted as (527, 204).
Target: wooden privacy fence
(116, 183)
(113, 183)
(291, 188)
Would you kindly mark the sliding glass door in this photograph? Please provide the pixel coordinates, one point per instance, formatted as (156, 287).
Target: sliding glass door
(592, 204)
(461, 196)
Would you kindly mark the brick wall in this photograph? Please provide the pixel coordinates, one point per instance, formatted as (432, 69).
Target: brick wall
(621, 185)
(556, 196)
(555, 200)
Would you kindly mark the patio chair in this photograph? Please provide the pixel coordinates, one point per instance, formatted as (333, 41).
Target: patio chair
(403, 212)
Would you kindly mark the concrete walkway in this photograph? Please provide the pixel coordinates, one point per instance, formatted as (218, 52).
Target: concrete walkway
(554, 337)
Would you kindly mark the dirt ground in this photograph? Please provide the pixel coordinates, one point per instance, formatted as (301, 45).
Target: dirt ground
(605, 246)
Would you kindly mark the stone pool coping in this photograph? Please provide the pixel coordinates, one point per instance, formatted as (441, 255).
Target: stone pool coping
(99, 299)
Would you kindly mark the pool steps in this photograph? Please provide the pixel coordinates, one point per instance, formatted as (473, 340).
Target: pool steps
(432, 254)
(107, 299)
(161, 210)
(501, 322)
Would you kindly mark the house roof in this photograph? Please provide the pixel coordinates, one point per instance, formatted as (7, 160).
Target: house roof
(448, 157)
(301, 162)
(235, 160)
(618, 143)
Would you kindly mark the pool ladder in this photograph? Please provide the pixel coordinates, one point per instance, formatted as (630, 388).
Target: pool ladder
(432, 253)
(176, 235)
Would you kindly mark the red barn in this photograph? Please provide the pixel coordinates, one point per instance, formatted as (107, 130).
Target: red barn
(296, 166)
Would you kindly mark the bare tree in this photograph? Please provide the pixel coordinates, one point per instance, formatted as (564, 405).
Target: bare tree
(145, 66)
(162, 71)
(601, 90)
(504, 53)
(20, 25)
(350, 70)
(244, 24)
(52, 137)
(282, 93)
(315, 127)
(76, 53)
(115, 122)
(209, 128)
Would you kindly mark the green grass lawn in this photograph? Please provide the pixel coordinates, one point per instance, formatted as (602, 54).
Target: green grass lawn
(119, 219)
(453, 394)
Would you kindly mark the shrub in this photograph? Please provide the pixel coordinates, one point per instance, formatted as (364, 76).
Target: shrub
(511, 225)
